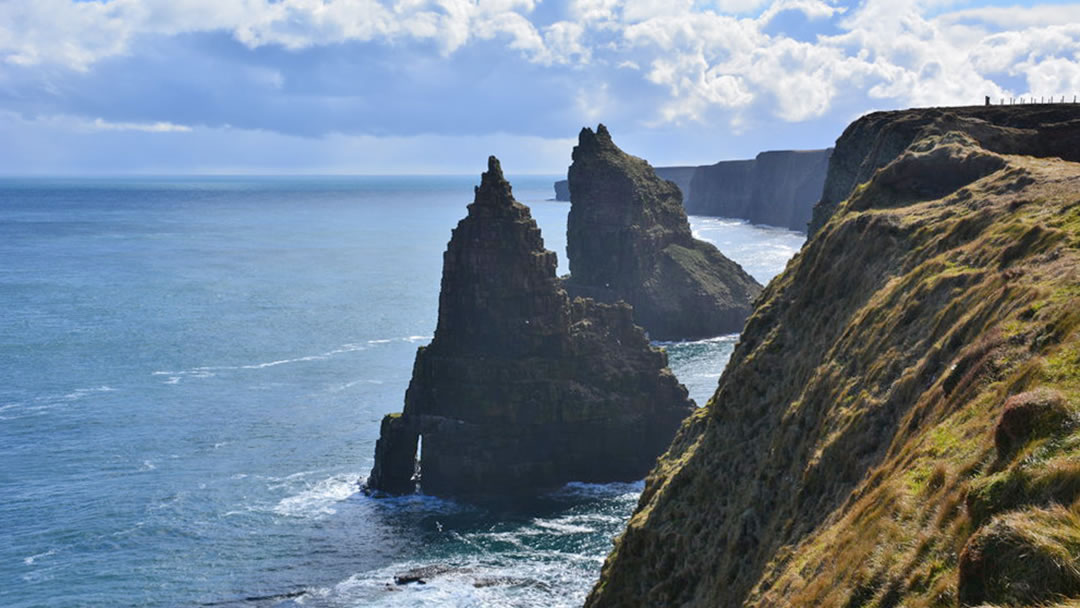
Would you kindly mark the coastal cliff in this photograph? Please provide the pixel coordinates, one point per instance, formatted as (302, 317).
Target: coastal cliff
(874, 140)
(899, 424)
(682, 176)
(775, 188)
(523, 389)
(628, 238)
(778, 188)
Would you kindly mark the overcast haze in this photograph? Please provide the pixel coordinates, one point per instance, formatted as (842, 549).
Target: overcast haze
(362, 86)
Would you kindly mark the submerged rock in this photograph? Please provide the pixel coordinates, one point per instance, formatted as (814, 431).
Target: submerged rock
(628, 238)
(522, 389)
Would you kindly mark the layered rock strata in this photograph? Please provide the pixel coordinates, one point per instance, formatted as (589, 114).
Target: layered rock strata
(628, 238)
(900, 422)
(777, 188)
(523, 389)
(682, 176)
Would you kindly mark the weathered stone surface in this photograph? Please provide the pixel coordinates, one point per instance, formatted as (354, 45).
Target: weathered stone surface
(682, 176)
(777, 188)
(522, 389)
(628, 238)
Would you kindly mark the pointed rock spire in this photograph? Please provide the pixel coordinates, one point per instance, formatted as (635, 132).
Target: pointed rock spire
(493, 190)
(522, 389)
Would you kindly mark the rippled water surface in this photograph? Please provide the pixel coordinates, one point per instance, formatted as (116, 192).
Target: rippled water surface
(192, 373)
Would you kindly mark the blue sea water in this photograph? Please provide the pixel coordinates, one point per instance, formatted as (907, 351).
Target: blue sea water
(192, 374)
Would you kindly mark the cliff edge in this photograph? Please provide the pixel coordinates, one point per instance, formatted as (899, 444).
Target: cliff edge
(521, 389)
(628, 238)
(899, 424)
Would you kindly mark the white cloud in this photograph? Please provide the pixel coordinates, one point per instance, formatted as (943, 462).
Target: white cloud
(156, 127)
(812, 9)
(659, 61)
(77, 124)
(1016, 17)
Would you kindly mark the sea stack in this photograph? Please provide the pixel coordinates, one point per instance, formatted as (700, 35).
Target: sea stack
(628, 239)
(523, 389)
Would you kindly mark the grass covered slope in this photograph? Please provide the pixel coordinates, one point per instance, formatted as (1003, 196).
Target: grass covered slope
(899, 423)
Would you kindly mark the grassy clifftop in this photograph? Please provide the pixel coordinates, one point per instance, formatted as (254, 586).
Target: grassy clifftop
(900, 423)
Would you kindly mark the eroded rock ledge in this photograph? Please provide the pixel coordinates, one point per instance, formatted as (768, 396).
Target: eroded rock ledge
(628, 238)
(523, 389)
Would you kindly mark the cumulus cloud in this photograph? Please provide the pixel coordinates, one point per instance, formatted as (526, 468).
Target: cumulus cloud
(403, 67)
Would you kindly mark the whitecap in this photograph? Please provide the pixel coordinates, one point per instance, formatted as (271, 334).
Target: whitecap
(319, 498)
(29, 561)
(148, 465)
(283, 362)
(724, 339)
(79, 393)
(561, 528)
(209, 371)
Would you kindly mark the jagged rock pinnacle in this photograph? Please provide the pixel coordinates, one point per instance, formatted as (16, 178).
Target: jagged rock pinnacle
(493, 188)
(523, 389)
(591, 142)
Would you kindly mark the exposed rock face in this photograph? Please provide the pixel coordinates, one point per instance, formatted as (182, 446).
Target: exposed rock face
(562, 190)
(682, 176)
(874, 140)
(778, 188)
(522, 389)
(900, 422)
(628, 238)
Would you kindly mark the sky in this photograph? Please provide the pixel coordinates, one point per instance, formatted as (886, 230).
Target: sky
(435, 86)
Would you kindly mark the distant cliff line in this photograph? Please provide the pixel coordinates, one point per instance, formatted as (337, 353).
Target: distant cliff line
(777, 188)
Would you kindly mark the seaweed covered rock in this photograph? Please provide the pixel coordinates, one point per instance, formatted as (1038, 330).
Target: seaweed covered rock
(628, 238)
(523, 389)
(898, 424)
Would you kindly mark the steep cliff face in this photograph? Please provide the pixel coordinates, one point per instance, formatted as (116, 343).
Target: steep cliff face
(776, 188)
(900, 422)
(682, 176)
(628, 238)
(522, 389)
(874, 140)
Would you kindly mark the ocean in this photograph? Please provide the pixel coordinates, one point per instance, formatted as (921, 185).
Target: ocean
(192, 375)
